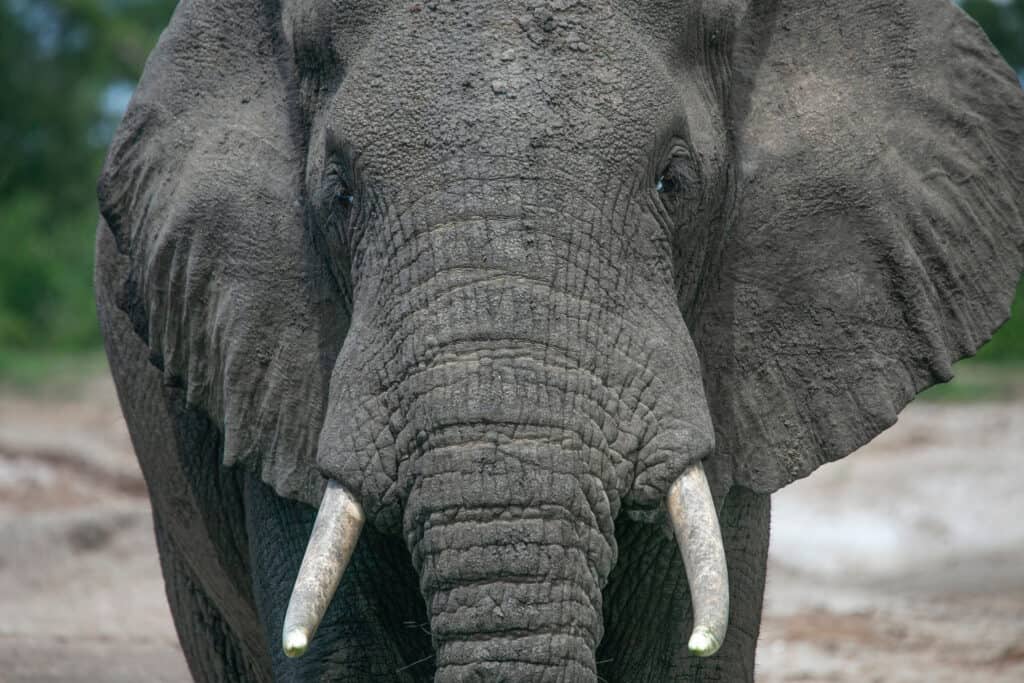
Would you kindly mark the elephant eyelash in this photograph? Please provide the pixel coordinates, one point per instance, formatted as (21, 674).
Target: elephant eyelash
(339, 188)
(678, 181)
(667, 184)
(338, 181)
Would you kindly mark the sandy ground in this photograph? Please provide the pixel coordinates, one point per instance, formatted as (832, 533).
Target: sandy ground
(905, 562)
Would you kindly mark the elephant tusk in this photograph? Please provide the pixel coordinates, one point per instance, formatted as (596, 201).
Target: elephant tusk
(334, 537)
(695, 522)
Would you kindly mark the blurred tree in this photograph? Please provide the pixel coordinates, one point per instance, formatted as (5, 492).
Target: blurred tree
(1004, 23)
(66, 70)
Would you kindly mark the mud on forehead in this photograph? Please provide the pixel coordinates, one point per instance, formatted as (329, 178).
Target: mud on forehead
(524, 82)
(339, 23)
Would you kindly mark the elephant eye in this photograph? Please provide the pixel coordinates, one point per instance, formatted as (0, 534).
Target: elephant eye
(344, 197)
(339, 185)
(679, 183)
(667, 184)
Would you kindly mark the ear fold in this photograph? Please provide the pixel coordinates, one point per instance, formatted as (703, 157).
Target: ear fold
(880, 225)
(202, 190)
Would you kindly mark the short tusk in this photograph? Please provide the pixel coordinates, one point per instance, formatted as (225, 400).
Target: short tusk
(334, 537)
(695, 522)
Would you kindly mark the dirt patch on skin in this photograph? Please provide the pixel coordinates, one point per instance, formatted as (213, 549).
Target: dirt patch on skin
(904, 562)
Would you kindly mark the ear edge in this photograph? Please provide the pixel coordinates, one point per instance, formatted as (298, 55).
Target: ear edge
(801, 439)
(144, 187)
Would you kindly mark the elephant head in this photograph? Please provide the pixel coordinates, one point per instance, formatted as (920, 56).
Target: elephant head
(500, 272)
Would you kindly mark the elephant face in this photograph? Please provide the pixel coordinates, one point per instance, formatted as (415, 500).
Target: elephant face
(495, 227)
(502, 271)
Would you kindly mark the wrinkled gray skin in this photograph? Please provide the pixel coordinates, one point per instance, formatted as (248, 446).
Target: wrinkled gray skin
(423, 249)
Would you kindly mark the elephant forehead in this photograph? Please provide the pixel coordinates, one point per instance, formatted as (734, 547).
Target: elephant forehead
(343, 26)
(424, 82)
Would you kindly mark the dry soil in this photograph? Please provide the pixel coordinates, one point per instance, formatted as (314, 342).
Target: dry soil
(904, 562)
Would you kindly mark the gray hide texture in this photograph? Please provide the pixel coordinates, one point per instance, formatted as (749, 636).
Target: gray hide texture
(878, 234)
(504, 269)
(202, 190)
(880, 226)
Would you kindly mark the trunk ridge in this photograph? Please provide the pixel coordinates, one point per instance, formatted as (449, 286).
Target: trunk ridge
(513, 591)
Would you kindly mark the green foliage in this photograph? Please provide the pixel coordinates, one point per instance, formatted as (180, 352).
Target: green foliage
(62, 64)
(1004, 23)
(980, 382)
(1008, 343)
(47, 371)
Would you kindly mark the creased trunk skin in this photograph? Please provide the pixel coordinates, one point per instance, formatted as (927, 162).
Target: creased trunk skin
(511, 565)
(498, 400)
(509, 515)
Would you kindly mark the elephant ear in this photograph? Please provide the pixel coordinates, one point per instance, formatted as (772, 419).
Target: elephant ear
(202, 190)
(879, 231)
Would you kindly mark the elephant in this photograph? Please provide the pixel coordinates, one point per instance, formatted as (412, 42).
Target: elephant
(468, 341)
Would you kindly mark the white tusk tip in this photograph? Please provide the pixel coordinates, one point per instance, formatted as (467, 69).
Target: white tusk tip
(702, 643)
(295, 643)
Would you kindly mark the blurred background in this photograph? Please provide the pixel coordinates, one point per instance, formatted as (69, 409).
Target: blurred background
(872, 563)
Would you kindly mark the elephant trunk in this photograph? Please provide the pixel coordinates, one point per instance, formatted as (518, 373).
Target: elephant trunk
(512, 559)
(499, 414)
